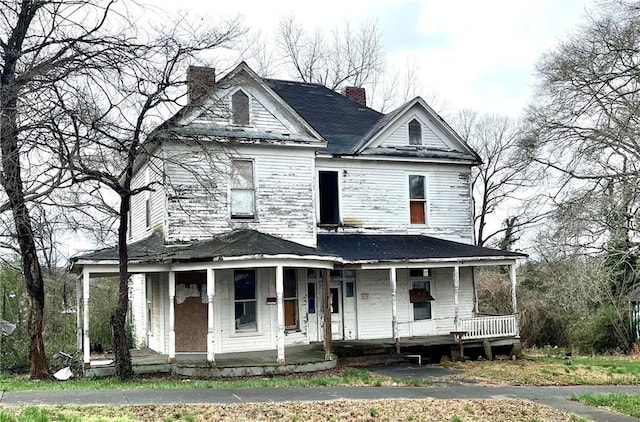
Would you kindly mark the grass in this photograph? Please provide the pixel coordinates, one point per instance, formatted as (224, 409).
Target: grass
(347, 377)
(545, 370)
(628, 404)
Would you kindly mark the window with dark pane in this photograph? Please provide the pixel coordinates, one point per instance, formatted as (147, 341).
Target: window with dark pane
(417, 199)
(240, 108)
(244, 288)
(290, 299)
(415, 132)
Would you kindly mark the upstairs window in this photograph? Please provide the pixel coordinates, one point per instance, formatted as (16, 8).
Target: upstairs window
(240, 108)
(329, 207)
(242, 189)
(415, 132)
(417, 199)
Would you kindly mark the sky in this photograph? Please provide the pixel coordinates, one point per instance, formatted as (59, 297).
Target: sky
(470, 54)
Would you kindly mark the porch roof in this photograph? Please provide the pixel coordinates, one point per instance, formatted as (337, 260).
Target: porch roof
(238, 243)
(400, 247)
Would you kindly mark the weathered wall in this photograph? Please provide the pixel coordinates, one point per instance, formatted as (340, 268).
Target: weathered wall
(284, 189)
(374, 197)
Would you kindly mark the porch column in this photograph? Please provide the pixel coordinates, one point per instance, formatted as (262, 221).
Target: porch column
(394, 309)
(514, 300)
(456, 290)
(86, 346)
(280, 311)
(79, 313)
(211, 291)
(326, 312)
(172, 316)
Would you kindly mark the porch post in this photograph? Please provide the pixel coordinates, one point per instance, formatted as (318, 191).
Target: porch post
(514, 300)
(172, 317)
(394, 309)
(456, 290)
(211, 291)
(280, 313)
(86, 346)
(79, 313)
(326, 312)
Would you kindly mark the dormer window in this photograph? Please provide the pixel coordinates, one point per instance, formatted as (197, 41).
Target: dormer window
(415, 132)
(240, 108)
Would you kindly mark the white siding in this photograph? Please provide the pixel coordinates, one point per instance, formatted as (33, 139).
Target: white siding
(138, 302)
(283, 188)
(374, 197)
(400, 137)
(157, 196)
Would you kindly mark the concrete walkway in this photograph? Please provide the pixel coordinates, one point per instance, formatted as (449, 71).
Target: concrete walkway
(556, 397)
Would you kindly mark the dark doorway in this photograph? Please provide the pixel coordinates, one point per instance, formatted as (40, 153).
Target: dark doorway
(328, 183)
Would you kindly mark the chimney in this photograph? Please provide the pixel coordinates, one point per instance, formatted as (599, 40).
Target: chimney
(200, 80)
(357, 94)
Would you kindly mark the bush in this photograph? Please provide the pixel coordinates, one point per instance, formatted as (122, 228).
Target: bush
(602, 331)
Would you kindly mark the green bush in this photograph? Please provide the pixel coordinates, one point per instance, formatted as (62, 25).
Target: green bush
(601, 331)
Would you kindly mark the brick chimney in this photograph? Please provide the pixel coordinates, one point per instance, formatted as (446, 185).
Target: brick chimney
(357, 94)
(200, 80)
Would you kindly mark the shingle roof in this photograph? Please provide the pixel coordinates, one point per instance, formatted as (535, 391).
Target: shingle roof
(236, 243)
(363, 247)
(340, 120)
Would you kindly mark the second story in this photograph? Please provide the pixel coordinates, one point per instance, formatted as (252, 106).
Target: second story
(294, 159)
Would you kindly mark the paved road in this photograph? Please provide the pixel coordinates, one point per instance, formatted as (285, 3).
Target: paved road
(556, 397)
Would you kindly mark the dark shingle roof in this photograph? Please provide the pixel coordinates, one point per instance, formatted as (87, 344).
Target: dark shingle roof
(235, 243)
(340, 120)
(363, 247)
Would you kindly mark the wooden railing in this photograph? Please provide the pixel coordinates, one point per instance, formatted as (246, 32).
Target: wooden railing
(488, 326)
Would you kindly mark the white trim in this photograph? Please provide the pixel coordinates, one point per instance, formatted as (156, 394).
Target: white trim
(454, 161)
(280, 313)
(86, 347)
(172, 316)
(432, 263)
(211, 291)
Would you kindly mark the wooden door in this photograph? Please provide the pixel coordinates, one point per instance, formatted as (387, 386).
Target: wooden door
(191, 313)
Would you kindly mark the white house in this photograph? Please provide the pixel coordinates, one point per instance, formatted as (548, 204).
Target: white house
(275, 198)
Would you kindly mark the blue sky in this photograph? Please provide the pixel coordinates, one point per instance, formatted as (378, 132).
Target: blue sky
(471, 54)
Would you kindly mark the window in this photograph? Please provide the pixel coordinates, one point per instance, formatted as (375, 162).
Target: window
(242, 189)
(311, 297)
(420, 293)
(147, 212)
(290, 299)
(240, 108)
(244, 287)
(328, 187)
(415, 132)
(417, 199)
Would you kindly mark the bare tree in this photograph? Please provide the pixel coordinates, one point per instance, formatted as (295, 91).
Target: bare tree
(105, 131)
(503, 184)
(42, 45)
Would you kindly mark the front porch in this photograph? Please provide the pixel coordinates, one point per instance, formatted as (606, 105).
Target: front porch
(305, 358)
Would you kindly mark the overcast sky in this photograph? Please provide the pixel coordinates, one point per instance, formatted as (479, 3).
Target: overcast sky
(471, 54)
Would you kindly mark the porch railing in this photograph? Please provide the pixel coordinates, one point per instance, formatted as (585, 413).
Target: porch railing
(489, 326)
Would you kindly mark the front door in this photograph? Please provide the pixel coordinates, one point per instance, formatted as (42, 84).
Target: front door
(191, 312)
(335, 296)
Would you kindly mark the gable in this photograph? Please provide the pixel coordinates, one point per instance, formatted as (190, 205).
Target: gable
(241, 106)
(416, 130)
(429, 138)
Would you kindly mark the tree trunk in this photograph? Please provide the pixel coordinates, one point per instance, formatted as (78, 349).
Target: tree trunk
(124, 369)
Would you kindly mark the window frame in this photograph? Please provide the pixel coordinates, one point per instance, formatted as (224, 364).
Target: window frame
(232, 190)
(423, 201)
(429, 281)
(255, 300)
(293, 299)
(414, 131)
(235, 112)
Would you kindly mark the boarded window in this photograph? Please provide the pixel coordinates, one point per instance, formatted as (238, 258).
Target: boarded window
(244, 285)
(240, 108)
(415, 132)
(417, 199)
(329, 209)
(242, 189)
(290, 299)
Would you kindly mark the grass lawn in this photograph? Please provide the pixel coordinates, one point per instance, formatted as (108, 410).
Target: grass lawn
(341, 410)
(628, 404)
(554, 370)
